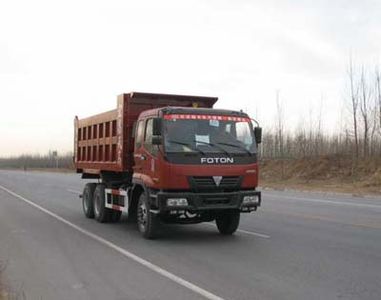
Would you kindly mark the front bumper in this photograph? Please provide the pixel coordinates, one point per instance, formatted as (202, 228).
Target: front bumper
(207, 201)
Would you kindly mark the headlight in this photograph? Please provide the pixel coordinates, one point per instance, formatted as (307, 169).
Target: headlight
(177, 202)
(250, 200)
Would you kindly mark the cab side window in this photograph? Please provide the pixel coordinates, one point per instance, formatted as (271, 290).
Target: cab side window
(148, 138)
(139, 134)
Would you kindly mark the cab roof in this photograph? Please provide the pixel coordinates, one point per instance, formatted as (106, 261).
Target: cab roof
(156, 112)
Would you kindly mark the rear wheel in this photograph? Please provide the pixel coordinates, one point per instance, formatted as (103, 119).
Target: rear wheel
(227, 222)
(87, 199)
(147, 222)
(101, 213)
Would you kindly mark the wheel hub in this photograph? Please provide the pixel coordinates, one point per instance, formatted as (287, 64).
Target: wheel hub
(96, 206)
(142, 216)
(85, 202)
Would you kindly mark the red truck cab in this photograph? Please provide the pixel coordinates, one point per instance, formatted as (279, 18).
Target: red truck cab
(191, 164)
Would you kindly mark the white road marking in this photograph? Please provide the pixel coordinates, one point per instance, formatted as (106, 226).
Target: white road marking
(142, 261)
(327, 201)
(74, 191)
(265, 236)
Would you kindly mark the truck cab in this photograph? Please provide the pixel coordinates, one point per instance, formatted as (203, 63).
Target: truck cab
(195, 165)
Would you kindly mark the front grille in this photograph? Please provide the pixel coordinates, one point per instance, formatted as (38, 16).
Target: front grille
(202, 183)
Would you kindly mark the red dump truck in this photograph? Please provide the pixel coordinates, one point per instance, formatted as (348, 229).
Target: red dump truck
(168, 159)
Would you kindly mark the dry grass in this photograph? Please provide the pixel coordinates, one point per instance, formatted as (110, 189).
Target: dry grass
(327, 173)
(7, 292)
(3, 294)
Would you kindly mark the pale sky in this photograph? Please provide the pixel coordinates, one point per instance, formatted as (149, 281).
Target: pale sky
(67, 58)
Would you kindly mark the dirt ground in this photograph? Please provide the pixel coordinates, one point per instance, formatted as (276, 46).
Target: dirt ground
(328, 173)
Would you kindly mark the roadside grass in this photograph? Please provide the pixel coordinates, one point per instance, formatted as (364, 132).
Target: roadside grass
(3, 293)
(331, 173)
(6, 292)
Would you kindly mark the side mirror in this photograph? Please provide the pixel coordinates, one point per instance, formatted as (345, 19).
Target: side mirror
(258, 134)
(156, 140)
(156, 127)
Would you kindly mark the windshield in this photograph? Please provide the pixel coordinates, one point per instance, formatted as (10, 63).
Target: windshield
(208, 134)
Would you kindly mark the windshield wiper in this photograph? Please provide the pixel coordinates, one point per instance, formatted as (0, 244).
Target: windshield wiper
(214, 145)
(187, 145)
(237, 146)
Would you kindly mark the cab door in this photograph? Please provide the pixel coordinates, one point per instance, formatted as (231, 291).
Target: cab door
(149, 154)
(138, 152)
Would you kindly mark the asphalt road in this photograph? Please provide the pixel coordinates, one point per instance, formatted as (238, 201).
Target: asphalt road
(297, 246)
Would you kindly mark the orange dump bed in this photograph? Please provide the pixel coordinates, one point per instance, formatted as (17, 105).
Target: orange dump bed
(104, 142)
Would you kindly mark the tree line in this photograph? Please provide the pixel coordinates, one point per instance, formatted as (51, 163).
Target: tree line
(360, 132)
(49, 161)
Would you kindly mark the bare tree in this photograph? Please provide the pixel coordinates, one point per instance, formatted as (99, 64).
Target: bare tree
(318, 135)
(280, 128)
(378, 96)
(364, 108)
(280, 124)
(355, 103)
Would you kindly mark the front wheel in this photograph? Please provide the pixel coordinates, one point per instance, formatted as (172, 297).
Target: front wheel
(147, 222)
(227, 222)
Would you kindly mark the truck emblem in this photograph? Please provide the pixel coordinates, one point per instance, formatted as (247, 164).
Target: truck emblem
(217, 180)
(217, 160)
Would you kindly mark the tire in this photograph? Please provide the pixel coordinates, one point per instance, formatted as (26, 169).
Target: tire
(101, 213)
(88, 200)
(132, 212)
(147, 222)
(227, 222)
(115, 216)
